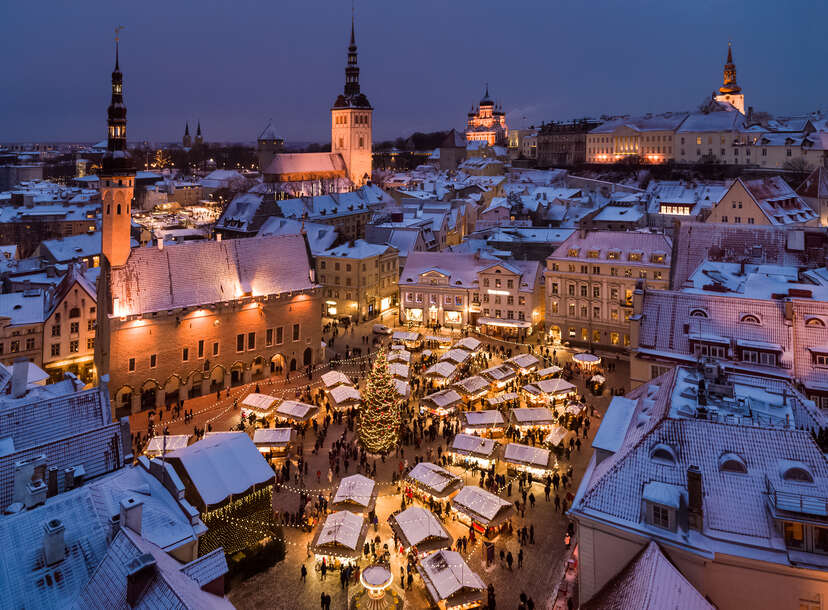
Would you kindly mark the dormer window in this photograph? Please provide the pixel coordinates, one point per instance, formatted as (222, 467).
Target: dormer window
(635, 256)
(796, 472)
(730, 462)
(614, 255)
(573, 252)
(663, 454)
(750, 319)
(661, 503)
(698, 313)
(816, 322)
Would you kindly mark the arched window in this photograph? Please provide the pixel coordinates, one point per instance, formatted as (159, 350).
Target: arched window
(663, 454)
(750, 319)
(796, 472)
(818, 322)
(119, 208)
(730, 462)
(698, 313)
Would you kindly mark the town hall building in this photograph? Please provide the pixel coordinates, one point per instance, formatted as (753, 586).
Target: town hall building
(346, 167)
(179, 321)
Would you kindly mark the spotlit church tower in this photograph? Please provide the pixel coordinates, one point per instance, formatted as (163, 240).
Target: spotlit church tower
(185, 320)
(351, 122)
(730, 91)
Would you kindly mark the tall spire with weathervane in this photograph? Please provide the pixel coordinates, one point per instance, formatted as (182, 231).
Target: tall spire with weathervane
(729, 82)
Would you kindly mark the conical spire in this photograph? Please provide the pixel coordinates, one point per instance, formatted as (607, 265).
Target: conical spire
(729, 85)
(198, 129)
(729, 52)
(186, 128)
(116, 159)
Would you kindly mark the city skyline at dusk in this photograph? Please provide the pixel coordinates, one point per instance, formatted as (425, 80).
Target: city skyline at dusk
(236, 71)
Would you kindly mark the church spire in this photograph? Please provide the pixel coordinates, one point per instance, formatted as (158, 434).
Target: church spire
(116, 159)
(187, 128)
(729, 85)
(352, 69)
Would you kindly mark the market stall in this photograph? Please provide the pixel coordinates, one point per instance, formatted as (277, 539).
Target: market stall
(549, 390)
(274, 441)
(502, 398)
(500, 375)
(260, 405)
(532, 417)
(467, 448)
(442, 403)
(455, 356)
(470, 344)
(438, 341)
(549, 371)
(432, 481)
(356, 493)
(399, 355)
(473, 388)
(450, 582)
(597, 383)
(295, 412)
(403, 388)
(441, 372)
(535, 461)
(417, 527)
(523, 363)
(399, 370)
(408, 339)
(488, 422)
(344, 397)
(332, 379)
(558, 436)
(484, 511)
(339, 538)
(164, 443)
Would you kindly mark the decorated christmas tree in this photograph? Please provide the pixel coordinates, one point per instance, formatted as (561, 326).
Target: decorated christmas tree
(379, 421)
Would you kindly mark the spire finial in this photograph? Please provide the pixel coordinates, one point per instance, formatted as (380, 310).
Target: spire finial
(117, 39)
(730, 51)
(353, 10)
(487, 90)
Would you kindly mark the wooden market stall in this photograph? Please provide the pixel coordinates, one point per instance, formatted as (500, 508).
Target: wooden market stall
(433, 481)
(473, 449)
(441, 403)
(356, 493)
(523, 363)
(450, 582)
(535, 461)
(339, 538)
(295, 412)
(482, 510)
(500, 375)
(274, 441)
(418, 527)
(473, 388)
(487, 422)
(532, 417)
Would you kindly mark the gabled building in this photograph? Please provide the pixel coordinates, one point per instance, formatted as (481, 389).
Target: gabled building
(763, 201)
(814, 192)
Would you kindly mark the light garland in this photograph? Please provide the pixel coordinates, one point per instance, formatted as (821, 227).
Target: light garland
(379, 421)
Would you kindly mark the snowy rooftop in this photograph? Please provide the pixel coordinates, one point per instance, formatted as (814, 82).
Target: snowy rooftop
(356, 489)
(473, 445)
(399, 355)
(523, 361)
(341, 531)
(332, 379)
(222, 466)
(418, 526)
(446, 574)
(525, 454)
(272, 436)
(456, 356)
(399, 370)
(165, 443)
(259, 402)
(23, 308)
(469, 344)
(487, 417)
(293, 409)
(481, 504)
(441, 369)
(473, 385)
(434, 478)
(532, 415)
(500, 373)
(343, 394)
(555, 386)
(444, 398)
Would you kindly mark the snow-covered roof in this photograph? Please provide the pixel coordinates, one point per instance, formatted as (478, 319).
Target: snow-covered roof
(549, 371)
(615, 424)
(306, 166)
(341, 531)
(501, 398)
(457, 356)
(441, 369)
(468, 444)
(525, 454)
(356, 489)
(473, 385)
(259, 402)
(166, 443)
(320, 236)
(65, 249)
(222, 466)
(398, 370)
(557, 435)
(530, 415)
(419, 526)
(272, 436)
(22, 308)
(499, 373)
(294, 409)
(486, 417)
(345, 394)
(649, 582)
(207, 272)
(399, 355)
(482, 505)
(332, 379)
(446, 574)
(444, 398)
(555, 386)
(469, 344)
(437, 480)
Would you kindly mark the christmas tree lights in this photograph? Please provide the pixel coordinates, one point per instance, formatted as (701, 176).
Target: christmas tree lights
(379, 420)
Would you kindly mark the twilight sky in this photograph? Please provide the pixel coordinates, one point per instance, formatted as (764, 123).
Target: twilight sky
(234, 65)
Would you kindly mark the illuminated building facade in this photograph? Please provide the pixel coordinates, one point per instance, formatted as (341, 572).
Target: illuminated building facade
(487, 123)
(187, 319)
(645, 139)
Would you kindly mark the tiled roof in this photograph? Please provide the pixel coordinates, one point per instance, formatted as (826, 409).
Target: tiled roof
(206, 272)
(648, 582)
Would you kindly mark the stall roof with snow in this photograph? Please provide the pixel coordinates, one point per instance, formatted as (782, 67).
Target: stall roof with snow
(416, 526)
(469, 344)
(356, 493)
(273, 437)
(399, 355)
(532, 416)
(500, 374)
(344, 396)
(296, 411)
(442, 370)
(481, 506)
(523, 362)
(163, 444)
(474, 446)
(455, 356)
(449, 581)
(488, 418)
(525, 455)
(342, 534)
(435, 480)
(331, 379)
(472, 386)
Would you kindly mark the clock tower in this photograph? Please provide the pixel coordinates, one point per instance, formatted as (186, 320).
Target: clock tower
(730, 91)
(352, 123)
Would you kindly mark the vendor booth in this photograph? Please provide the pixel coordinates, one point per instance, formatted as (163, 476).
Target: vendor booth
(501, 399)
(274, 441)
(533, 417)
(548, 372)
(403, 388)
(164, 443)
(441, 403)
(356, 493)
(455, 356)
(438, 341)
(488, 422)
(399, 355)
(586, 362)
(432, 481)
(260, 405)
(473, 388)
(408, 339)
(549, 390)
(332, 379)
(470, 344)
(295, 412)
(399, 370)
(418, 527)
(535, 461)
(484, 511)
(558, 437)
(523, 363)
(441, 372)
(344, 397)
(470, 449)
(500, 375)
(450, 583)
(339, 538)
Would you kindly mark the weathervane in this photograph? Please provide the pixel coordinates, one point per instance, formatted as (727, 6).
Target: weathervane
(118, 32)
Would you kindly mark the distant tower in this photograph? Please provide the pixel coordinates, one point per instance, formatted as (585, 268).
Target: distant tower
(268, 145)
(186, 141)
(198, 139)
(730, 91)
(117, 178)
(352, 122)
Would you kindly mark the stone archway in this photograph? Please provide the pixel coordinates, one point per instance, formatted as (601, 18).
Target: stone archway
(236, 374)
(278, 365)
(149, 394)
(123, 400)
(217, 378)
(194, 380)
(307, 357)
(293, 364)
(257, 368)
(171, 390)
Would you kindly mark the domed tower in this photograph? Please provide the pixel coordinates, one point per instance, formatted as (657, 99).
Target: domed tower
(117, 179)
(730, 91)
(352, 122)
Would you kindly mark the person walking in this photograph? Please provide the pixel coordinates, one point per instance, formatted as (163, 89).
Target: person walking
(520, 559)
(303, 573)
(509, 560)
(557, 503)
(531, 533)
(324, 569)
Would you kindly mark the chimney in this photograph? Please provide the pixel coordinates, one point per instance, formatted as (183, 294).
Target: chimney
(52, 482)
(20, 377)
(788, 310)
(139, 573)
(695, 497)
(68, 479)
(53, 543)
(131, 512)
(160, 241)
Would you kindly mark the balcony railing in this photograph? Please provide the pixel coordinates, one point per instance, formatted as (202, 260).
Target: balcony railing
(797, 502)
